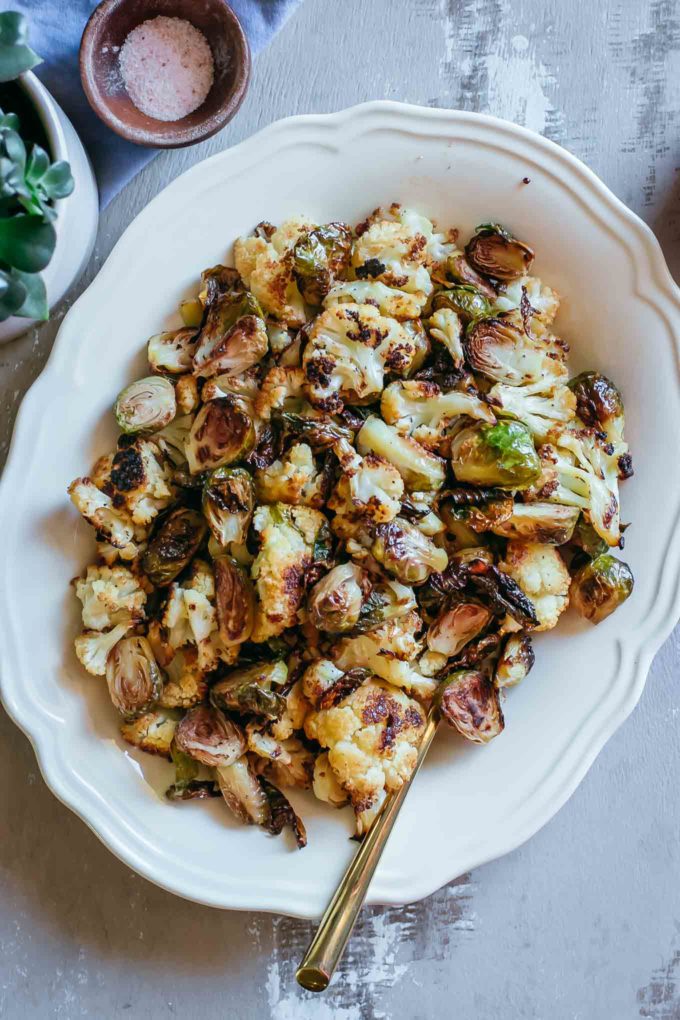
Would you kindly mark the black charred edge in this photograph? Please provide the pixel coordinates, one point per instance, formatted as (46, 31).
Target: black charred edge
(505, 595)
(198, 789)
(281, 813)
(626, 469)
(343, 687)
(474, 653)
(463, 495)
(411, 512)
(527, 310)
(372, 268)
(266, 451)
(454, 578)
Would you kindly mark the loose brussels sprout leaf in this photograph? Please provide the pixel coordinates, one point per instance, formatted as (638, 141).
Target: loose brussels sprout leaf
(404, 551)
(458, 623)
(469, 702)
(460, 270)
(200, 789)
(172, 439)
(515, 662)
(282, 814)
(500, 455)
(187, 786)
(234, 601)
(207, 735)
(320, 256)
(320, 433)
(191, 312)
(496, 253)
(501, 591)
(335, 602)
(588, 540)
(222, 433)
(173, 545)
(233, 335)
(343, 686)
(548, 523)
(228, 504)
(132, 675)
(600, 587)
(147, 405)
(243, 792)
(465, 300)
(388, 600)
(251, 690)
(599, 404)
(172, 351)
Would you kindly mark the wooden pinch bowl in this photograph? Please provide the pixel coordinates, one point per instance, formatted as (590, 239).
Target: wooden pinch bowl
(104, 35)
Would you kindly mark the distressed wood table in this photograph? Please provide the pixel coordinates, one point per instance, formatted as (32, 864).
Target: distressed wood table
(582, 922)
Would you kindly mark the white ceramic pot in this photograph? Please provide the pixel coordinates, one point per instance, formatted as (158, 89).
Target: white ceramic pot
(77, 215)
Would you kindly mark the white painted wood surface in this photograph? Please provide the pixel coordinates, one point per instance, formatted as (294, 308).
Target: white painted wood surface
(584, 921)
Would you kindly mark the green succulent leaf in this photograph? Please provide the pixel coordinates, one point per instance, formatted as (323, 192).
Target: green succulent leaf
(15, 55)
(12, 295)
(26, 242)
(35, 303)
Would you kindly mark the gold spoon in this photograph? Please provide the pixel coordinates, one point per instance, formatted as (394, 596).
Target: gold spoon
(327, 946)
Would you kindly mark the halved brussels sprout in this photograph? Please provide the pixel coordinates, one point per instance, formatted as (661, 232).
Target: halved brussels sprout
(461, 620)
(173, 545)
(222, 433)
(320, 256)
(172, 351)
(500, 455)
(228, 503)
(600, 587)
(469, 702)
(500, 349)
(252, 690)
(494, 252)
(210, 737)
(191, 312)
(172, 439)
(404, 551)
(599, 404)
(282, 814)
(234, 601)
(132, 675)
(187, 786)
(465, 300)
(243, 792)
(335, 602)
(549, 523)
(588, 540)
(515, 662)
(460, 270)
(387, 600)
(233, 335)
(146, 405)
(320, 433)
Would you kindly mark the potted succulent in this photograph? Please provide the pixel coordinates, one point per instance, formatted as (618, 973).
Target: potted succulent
(48, 195)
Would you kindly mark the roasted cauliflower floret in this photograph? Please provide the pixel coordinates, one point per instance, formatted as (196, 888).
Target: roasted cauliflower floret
(152, 732)
(390, 651)
(372, 738)
(190, 617)
(446, 327)
(135, 479)
(185, 685)
(292, 479)
(93, 646)
(394, 252)
(114, 525)
(325, 784)
(395, 304)
(544, 408)
(266, 268)
(286, 535)
(421, 470)
(420, 409)
(296, 769)
(350, 348)
(110, 596)
(540, 572)
(544, 301)
(369, 487)
(279, 386)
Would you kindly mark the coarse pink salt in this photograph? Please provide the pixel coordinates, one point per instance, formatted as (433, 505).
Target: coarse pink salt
(167, 67)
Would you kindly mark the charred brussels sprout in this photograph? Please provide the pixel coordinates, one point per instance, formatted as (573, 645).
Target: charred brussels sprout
(460, 270)
(191, 312)
(459, 622)
(494, 252)
(133, 677)
(207, 735)
(172, 351)
(500, 455)
(233, 335)
(187, 786)
(600, 587)
(228, 503)
(222, 433)
(147, 405)
(404, 551)
(468, 701)
(173, 545)
(386, 601)
(336, 600)
(516, 661)
(319, 257)
(466, 301)
(587, 539)
(243, 792)
(320, 433)
(234, 601)
(599, 404)
(252, 690)
(549, 523)
(500, 349)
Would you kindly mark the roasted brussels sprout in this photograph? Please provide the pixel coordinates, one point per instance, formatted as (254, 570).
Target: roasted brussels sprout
(465, 300)
(461, 620)
(500, 349)
(319, 433)
(421, 470)
(404, 551)
(387, 600)
(191, 312)
(494, 252)
(587, 539)
(207, 735)
(515, 662)
(133, 677)
(222, 433)
(228, 503)
(187, 786)
(600, 587)
(319, 257)
(468, 701)
(147, 405)
(233, 335)
(550, 523)
(234, 601)
(172, 351)
(243, 792)
(336, 600)
(500, 455)
(252, 690)
(173, 545)
(281, 814)
(599, 404)
(460, 270)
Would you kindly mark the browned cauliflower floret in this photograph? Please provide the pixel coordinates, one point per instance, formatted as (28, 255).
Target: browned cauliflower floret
(279, 385)
(135, 479)
(420, 409)
(390, 652)
(112, 524)
(152, 732)
(372, 738)
(369, 487)
(394, 253)
(110, 596)
(292, 479)
(186, 684)
(267, 269)
(540, 572)
(189, 617)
